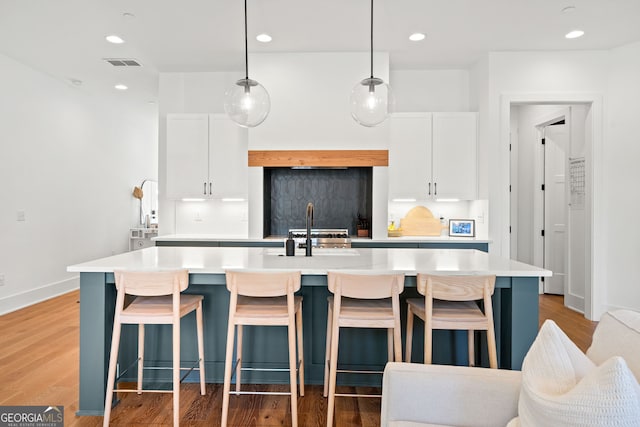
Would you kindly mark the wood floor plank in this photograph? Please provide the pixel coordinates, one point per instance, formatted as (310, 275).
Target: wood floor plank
(39, 359)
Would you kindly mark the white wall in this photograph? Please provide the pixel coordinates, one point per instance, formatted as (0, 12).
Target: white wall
(539, 73)
(431, 90)
(609, 78)
(310, 94)
(621, 177)
(69, 160)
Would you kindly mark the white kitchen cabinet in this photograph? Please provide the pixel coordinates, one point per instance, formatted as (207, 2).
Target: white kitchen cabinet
(433, 156)
(409, 155)
(206, 157)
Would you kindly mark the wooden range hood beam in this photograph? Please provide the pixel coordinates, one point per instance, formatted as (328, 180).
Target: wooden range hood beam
(318, 158)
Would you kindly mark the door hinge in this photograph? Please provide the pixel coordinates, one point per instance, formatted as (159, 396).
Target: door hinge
(509, 188)
(542, 187)
(509, 147)
(509, 229)
(542, 278)
(542, 233)
(543, 141)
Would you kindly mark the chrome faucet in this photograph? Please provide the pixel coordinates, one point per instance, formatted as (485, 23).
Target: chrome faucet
(309, 218)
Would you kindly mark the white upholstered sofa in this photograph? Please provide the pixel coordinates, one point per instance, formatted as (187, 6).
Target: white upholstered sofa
(435, 395)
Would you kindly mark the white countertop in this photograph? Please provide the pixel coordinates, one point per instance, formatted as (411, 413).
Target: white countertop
(214, 260)
(408, 239)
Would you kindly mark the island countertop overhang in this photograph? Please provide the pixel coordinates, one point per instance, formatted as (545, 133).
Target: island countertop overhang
(215, 260)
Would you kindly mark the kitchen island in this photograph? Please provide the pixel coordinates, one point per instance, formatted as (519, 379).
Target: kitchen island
(515, 304)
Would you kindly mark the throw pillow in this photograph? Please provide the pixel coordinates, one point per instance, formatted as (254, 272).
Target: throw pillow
(618, 334)
(562, 387)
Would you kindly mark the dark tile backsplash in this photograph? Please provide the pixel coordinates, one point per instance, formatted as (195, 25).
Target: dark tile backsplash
(338, 196)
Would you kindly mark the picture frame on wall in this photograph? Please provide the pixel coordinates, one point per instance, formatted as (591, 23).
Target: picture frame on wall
(462, 228)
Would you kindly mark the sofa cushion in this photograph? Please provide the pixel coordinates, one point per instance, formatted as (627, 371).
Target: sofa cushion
(618, 334)
(561, 386)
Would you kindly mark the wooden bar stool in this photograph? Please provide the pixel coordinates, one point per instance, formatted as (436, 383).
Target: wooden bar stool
(360, 300)
(264, 298)
(157, 300)
(450, 303)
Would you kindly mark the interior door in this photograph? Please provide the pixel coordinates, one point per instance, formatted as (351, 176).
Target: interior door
(555, 208)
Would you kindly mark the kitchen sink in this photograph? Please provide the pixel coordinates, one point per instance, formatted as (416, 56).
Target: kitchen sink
(316, 252)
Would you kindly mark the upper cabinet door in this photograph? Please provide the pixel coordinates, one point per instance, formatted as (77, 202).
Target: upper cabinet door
(409, 156)
(228, 161)
(454, 156)
(187, 155)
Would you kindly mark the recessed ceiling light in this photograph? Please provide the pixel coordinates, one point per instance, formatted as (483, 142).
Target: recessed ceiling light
(264, 38)
(121, 87)
(416, 37)
(76, 82)
(574, 34)
(114, 39)
(569, 9)
(128, 15)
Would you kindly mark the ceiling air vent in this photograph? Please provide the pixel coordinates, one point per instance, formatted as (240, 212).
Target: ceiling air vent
(120, 62)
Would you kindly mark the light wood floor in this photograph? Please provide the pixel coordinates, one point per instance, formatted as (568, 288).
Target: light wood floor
(39, 366)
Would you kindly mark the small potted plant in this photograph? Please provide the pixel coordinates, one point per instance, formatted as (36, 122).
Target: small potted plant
(362, 226)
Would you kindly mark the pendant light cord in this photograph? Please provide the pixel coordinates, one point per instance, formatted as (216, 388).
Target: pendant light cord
(246, 49)
(371, 38)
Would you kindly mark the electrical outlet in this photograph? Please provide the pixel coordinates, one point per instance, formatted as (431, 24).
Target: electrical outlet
(1, 279)
(197, 217)
(20, 216)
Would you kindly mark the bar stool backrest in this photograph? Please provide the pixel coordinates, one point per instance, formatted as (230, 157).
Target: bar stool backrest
(365, 286)
(457, 287)
(152, 283)
(268, 283)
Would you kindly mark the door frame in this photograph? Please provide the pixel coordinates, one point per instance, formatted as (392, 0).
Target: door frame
(595, 286)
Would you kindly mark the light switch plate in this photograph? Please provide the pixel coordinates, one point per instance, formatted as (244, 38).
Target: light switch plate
(20, 216)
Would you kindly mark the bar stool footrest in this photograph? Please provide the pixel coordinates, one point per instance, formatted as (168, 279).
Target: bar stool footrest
(195, 367)
(265, 393)
(357, 395)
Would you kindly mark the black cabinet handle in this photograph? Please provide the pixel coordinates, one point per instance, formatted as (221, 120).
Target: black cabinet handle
(429, 193)
(209, 188)
(435, 188)
(204, 190)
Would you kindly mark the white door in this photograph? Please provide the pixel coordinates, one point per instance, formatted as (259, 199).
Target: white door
(555, 208)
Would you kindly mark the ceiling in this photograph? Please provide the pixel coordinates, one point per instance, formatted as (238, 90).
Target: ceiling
(66, 38)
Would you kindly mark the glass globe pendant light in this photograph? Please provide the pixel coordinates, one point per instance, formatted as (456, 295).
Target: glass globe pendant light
(371, 99)
(247, 102)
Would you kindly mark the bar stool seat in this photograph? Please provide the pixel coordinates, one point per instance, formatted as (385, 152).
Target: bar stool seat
(264, 310)
(157, 300)
(158, 309)
(264, 298)
(360, 300)
(450, 303)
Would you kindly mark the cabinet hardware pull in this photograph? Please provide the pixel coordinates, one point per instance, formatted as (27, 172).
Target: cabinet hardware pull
(204, 190)
(435, 188)
(209, 188)
(429, 193)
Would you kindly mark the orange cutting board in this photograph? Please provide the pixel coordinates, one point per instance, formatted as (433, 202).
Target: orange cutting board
(419, 221)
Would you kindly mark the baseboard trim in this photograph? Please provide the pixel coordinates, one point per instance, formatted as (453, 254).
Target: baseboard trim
(33, 296)
(574, 302)
(613, 307)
